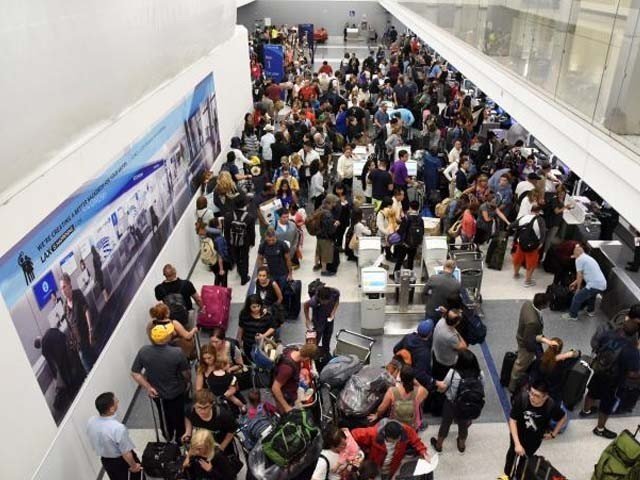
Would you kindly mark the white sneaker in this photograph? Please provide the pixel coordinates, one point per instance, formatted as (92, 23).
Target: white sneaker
(567, 316)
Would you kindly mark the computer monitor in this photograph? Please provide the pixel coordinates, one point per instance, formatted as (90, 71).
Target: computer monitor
(412, 168)
(373, 280)
(358, 167)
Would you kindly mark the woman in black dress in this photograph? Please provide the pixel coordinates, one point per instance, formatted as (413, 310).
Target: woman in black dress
(255, 322)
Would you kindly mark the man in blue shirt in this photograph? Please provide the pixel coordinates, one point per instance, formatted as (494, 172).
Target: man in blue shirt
(110, 439)
(589, 271)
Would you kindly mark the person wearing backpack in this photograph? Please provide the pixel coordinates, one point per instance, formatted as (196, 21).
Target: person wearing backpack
(223, 262)
(529, 237)
(177, 294)
(464, 399)
(240, 235)
(617, 360)
(324, 305)
(412, 232)
(404, 401)
(530, 414)
(589, 272)
(287, 375)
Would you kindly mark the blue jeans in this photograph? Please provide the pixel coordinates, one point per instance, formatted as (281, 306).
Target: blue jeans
(584, 297)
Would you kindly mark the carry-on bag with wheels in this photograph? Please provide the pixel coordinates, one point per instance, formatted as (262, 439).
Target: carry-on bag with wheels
(161, 459)
(216, 303)
(496, 251)
(292, 299)
(507, 366)
(575, 383)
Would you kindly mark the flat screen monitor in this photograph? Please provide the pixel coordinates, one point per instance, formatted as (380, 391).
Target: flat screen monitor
(456, 273)
(43, 289)
(374, 280)
(412, 168)
(358, 166)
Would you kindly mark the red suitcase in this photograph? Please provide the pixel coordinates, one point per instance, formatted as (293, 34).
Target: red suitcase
(216, 303)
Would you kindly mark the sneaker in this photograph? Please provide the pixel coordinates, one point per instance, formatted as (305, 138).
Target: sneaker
(503, 477)
(585, 413)
(567, 316)
(317, 267)
(328, 274)
(434, 444)
(590, 314)
(604, 433)
(529, 283)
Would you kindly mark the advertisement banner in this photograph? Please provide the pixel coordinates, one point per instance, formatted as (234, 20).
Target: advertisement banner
(274, 62)
(306, 30)
(68, 282)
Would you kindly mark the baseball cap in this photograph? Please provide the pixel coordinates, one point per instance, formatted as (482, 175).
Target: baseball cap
(162, 333)
(425, 327)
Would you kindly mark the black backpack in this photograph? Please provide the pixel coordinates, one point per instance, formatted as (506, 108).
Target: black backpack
(177, 307)
(527, 238)
(606, 362)
(469, 400)
(238, 230)
(415, 231)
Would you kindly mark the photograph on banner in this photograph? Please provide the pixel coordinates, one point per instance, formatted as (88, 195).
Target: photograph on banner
(68, 282)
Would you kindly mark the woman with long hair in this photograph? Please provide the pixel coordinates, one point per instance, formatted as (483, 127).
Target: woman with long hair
(227, 349)
(466, 367)
(404, 401)
(285, 194)
(224, 193)
(255, 322)
(552, 367)
(212, 374)
(204, 462)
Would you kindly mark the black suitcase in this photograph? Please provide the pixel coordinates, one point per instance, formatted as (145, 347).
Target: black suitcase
(539, 468)
(560, 297)
(496, 251)
(507, 366)
(161, 459)
(292, 297)
(405, 472)
(575, 383)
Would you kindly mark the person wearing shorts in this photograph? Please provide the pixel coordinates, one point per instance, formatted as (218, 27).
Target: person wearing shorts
(528, 259)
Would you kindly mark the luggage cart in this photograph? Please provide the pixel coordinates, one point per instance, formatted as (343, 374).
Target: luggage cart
(471, 264)
(352, 343)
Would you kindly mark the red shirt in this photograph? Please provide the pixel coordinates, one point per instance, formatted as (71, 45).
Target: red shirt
(307, 93)
(371, 441)
(273, 91)
(326, 69)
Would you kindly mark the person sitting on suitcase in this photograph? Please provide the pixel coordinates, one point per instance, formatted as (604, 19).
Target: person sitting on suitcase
(552, 367)
(530, 414)
(324, 305)
(386, 444)
(617, 361)
(287, 375)
(110, 439)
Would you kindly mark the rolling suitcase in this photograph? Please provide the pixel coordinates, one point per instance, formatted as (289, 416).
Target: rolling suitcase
(507, 366)
(216, 303)
(407, 469)
(575, 383)
(539, 468)
(496, 251)
(292, 299)
(161, 459)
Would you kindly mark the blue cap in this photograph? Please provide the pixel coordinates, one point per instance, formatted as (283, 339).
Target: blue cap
(425, 327)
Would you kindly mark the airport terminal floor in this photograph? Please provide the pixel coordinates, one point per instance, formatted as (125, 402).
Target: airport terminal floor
(573, 453)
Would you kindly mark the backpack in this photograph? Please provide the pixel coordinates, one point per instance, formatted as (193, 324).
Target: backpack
(238, 230)
(291, 438)
(469, 399)
(415, 231)
(314, 222)
(255, 429)
(208, 254)
(442, 208)
(177, 307)
(606, 364)
(404, 408)
(527, 238)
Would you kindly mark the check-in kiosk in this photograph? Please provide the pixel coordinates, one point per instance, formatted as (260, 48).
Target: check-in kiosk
(435, 251)
(373, 301)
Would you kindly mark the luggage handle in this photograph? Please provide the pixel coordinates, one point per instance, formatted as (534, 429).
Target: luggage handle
(514, 467)
(142, 475)
(153, 414)
(355, 334)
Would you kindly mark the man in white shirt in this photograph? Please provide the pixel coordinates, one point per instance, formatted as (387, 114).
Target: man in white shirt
(587, 270)
(110, 439)
(527, 250)
(266, 141)
(550, 180)
(454, 154)
(345, 167)
(526, 185)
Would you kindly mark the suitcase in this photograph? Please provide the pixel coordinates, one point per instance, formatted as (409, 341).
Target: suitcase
(292, 299)
(405, 472)
(575, 383)
(507, 366)
(559, 297)
(161, 459)
(496, 251)
(216, 303)
(539, 468)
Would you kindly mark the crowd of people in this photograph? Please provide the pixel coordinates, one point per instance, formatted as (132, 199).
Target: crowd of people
(296, 155)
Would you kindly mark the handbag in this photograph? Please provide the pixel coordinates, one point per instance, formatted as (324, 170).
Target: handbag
(354, 242)
(394, 238)
(454, 231)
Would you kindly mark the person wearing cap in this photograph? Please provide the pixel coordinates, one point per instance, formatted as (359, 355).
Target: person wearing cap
(267, 139)
(165, 378)
(440, 287)
(419, 344)
(386, 444)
